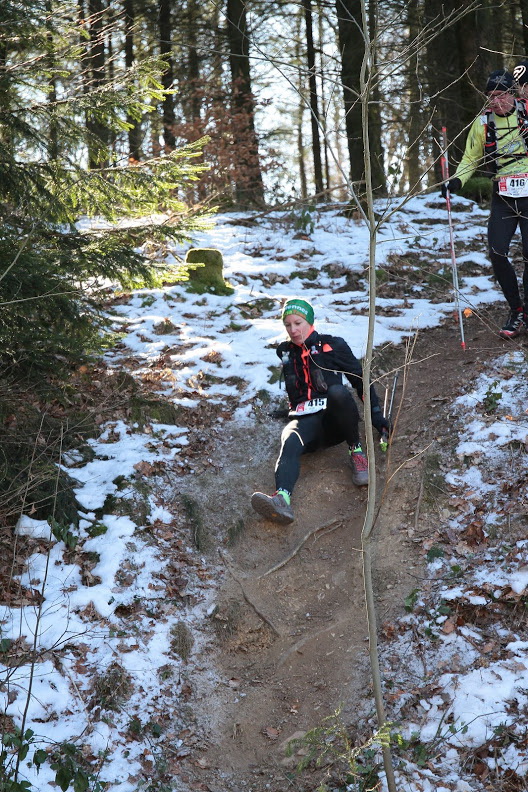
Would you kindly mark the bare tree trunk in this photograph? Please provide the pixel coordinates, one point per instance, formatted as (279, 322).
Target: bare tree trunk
(314, 109)
(112, 133)
(340, 153)
(97, 79)
(457, 66)
(523, 4)
(195, 103)
(324, 108)
(217, 59)
(443, 69)
(53, 140)
(300, 115)
(352, 49)
(165, 39)
(474, 63)
(374, 108)
(134, 133)
(248, 181)
(415, 125)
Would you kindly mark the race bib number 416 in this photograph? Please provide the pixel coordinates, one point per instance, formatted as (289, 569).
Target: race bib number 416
(307, 407)
(514, 186)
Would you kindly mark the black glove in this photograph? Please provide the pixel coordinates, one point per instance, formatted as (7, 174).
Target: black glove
(379, 422)
(453, 185)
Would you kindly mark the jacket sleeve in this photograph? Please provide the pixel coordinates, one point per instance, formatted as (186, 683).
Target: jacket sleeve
(348, 363)
(474, 152)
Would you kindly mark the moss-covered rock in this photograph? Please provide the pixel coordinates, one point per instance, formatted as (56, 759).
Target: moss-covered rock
(206, 272)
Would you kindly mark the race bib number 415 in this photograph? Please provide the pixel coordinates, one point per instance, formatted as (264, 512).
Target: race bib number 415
(307, 407)
(514, 186)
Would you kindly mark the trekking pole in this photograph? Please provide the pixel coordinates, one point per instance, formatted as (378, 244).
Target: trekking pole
(445, 178)
(384, 442)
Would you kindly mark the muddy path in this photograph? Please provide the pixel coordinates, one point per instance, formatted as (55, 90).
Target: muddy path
(288, 646)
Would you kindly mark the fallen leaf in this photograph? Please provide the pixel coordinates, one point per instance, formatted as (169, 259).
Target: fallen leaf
(448, 626)
(488, 647)
(271, 733)
(145, 468)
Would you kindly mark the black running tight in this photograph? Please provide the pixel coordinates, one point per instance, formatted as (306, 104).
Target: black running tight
(505, 216)
(338, 422)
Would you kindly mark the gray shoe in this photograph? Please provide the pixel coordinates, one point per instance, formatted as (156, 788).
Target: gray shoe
(273, 507)
(358, 463)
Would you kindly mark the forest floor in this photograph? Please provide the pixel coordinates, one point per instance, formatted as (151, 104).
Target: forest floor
(233, 636)
(287, 647)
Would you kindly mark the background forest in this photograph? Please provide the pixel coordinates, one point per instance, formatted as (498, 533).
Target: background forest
(154, 113)
(275, 86)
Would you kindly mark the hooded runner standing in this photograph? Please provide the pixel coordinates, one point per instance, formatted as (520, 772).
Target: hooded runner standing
(323, 411)
(498, 139)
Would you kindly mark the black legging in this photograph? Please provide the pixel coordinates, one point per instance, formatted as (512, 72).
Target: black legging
(338, 422)
(505, 215)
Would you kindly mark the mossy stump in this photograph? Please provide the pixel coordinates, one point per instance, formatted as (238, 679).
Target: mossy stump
(206, 271)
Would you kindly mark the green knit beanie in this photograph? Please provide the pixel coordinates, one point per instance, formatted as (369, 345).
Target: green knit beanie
(298, 306)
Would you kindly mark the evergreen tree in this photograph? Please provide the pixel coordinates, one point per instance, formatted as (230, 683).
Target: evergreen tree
(50, 269)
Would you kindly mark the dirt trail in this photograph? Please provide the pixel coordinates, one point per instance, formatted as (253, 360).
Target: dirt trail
(290, 647)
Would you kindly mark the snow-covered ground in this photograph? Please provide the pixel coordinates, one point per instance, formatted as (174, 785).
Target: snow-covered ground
(463, 688)
(207, 346)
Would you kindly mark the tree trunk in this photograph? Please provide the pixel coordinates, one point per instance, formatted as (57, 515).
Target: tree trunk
(109, 44)
(524, 16)
(443, 76)
(374, 109)
(516, 32)
(414, 127)
(314, 109)
(352, 48)
(248, 178)
(97, 80)
(53, 140)
(165, 38)
(6, 137)
(195, 103)
(300, 115)
(458, 63)
(324, 106)
(474, 63)
(134, 133)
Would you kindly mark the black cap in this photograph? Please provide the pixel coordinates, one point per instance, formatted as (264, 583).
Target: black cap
(500, 80)
(520, 73)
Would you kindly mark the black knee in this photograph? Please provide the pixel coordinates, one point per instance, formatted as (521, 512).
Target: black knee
(291, 439)
(339, 397)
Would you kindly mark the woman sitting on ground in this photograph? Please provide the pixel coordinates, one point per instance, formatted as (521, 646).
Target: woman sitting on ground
(323, 411)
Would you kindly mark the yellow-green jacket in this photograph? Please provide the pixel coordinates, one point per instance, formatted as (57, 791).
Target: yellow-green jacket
(511, 149)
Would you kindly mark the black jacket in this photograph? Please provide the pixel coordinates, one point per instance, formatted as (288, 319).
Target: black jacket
(309, 370)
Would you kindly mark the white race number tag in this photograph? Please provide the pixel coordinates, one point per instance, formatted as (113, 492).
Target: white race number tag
(514, 186)
(307, 407)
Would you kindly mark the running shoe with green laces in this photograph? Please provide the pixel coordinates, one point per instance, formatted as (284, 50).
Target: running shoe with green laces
(273, 507)
(515, 324)
(359, 465)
